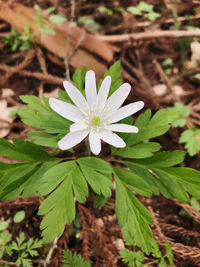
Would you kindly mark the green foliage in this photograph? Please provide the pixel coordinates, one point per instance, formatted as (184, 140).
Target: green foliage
(63, 181)
(44, 26)
(21, 249)
(15, 40)
(106, 10)
(182, 112)
(144, 8)
(167, 65)
(114, 72)
(38, 114)
(191, 138)
(74, 260)
(132, 258)
(89, 23)
(19, 216)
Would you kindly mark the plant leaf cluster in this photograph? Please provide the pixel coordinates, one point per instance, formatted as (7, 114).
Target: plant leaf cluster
(144, 170)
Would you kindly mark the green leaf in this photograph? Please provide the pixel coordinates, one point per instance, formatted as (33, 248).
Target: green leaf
(150, 128)
(143, 150)
(32, 185)
(60, 207)
(169, 253)
(74, 260)
(80, 186)
(57, 19)
(134, 10)
(79, 78)
(144, 174)
(163, 159)
(192, 139)
(43, 139)
(11, 183)
(152, 16)
(168, 62)
(23, 150)
(99, 201)
(136, 182)
(99, 179)
(54, 176)
(145, 7)
(3, 226)
(133, 217)
(114, 72)
(19, 216)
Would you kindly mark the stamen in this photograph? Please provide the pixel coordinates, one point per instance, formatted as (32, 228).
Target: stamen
(96, 120)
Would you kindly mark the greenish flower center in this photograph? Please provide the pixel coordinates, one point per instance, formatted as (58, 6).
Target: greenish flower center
(96, 120)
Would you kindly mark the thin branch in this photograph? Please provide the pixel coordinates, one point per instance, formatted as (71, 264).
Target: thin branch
(147, 35)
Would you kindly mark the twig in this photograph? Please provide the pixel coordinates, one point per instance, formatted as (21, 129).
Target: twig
(49, 255)
(147, 35)
(165, 79)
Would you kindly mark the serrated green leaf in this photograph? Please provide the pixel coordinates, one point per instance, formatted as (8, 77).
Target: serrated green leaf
(133, 217)
(139, 151)
(99, 179)
(43, 139)
(192, 139)
(169, 253)
(144, 174)
(80, 186)
(54, 176)
(74, 260)
(136, 182)
(33, 183)
(150, 128)
(60, 207)
(11, 184)
(97, 164)
(163, 159)
(23, 150)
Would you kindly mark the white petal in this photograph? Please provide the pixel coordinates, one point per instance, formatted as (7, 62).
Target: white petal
(118, 97)
(95, 143)
(77, 126)
(126, 111)
(90, 87)
(66, 110)
(72, 139)
(111, 138)
(76, 96)
(103, 91)
(124, 128)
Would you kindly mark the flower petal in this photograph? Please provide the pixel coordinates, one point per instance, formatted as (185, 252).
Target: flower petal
(124, 128)
(72, 139)
(90, 87)
(103, 91)
(112, 138)
(118, 97)
(76, 96)
(65, 110)
(126, 111)
(77, 126)
(95, 143)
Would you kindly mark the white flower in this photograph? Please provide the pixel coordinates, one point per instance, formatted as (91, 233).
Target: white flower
(95, 117)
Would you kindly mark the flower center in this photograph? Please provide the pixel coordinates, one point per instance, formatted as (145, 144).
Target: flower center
(96, 120)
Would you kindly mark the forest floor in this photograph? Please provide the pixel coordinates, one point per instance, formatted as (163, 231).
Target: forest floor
(152, 52)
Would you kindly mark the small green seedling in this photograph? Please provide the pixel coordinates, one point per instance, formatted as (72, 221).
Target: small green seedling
(144, 9)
